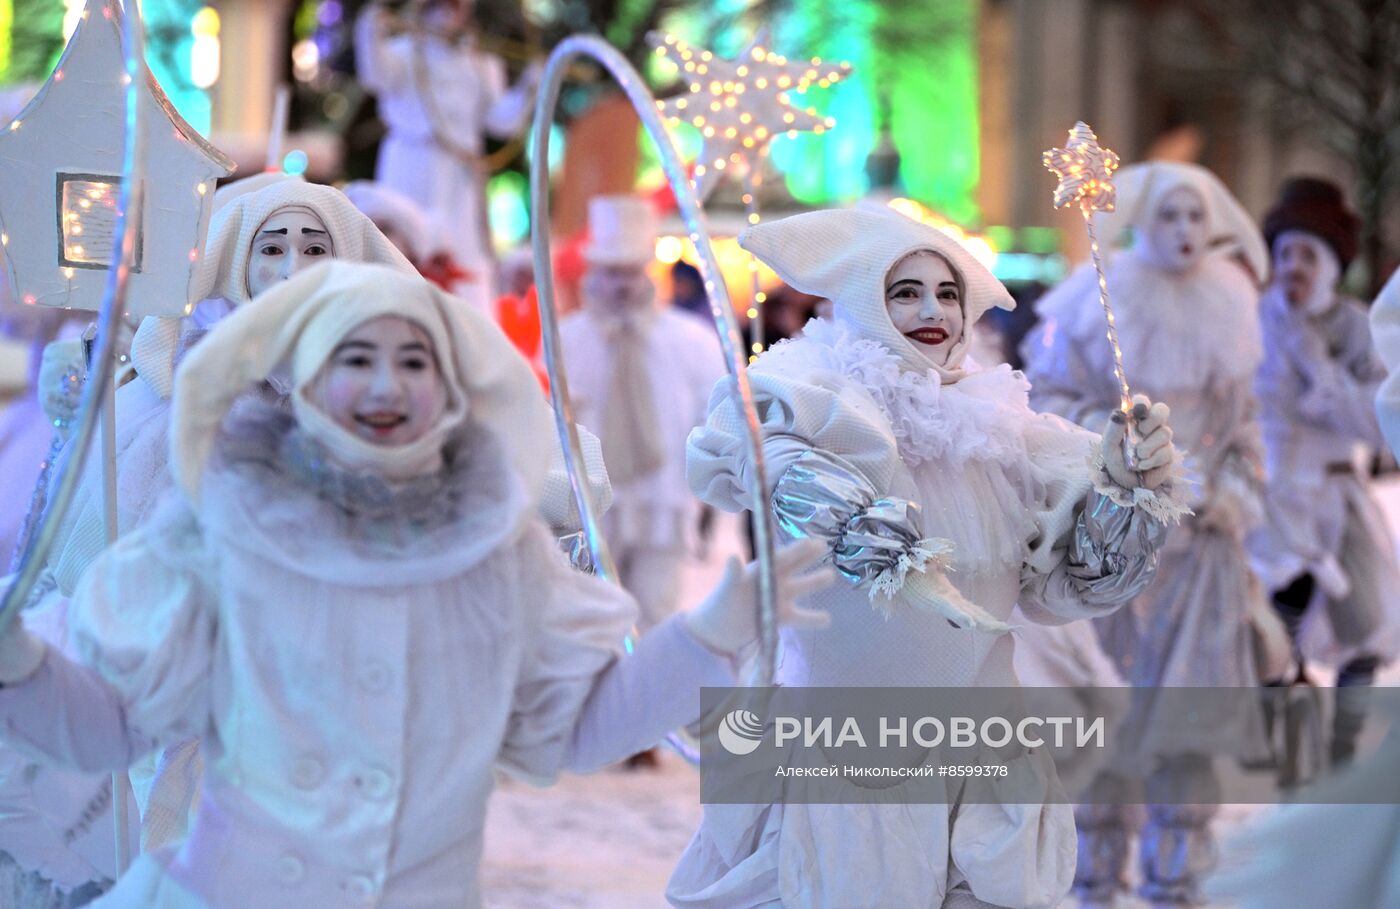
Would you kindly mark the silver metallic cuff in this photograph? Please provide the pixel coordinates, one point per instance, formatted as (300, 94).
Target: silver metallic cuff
(874, 540)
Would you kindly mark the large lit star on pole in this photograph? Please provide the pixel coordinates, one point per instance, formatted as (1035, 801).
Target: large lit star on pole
(739, 105)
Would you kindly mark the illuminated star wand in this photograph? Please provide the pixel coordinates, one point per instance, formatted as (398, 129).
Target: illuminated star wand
(1085, 169)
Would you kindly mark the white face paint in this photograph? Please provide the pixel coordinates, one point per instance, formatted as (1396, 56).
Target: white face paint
(290, 240)
(925, 304)
(1175, 236)
(382, 382)
(1306, 270)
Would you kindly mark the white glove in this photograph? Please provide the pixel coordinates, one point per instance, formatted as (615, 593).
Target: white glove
(1156, 456)
(727, 620)
(20, 653)
(62, 371)
(1325, 395)
(531, 77)
(931, 591)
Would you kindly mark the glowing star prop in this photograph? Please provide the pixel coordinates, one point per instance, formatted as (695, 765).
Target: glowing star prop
(1085, 169)
(61, 184)
(740, 105)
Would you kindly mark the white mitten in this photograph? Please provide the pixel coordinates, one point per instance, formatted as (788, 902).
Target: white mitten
(1324, 396)
(61, 373)
(531, 77)
(931, 591)
(1156, 456)
(727, 620)
(20, 654)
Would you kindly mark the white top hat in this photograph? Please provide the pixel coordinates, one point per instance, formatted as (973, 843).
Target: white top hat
(622, 231)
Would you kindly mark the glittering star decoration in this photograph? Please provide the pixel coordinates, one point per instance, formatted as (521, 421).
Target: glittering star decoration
(1085, 169)
(739, 105)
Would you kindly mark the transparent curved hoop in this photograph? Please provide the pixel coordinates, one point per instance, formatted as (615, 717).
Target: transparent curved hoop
(730, 339)
(113, 303)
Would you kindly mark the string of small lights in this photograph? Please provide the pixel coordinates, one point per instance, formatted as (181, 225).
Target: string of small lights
(739, 106)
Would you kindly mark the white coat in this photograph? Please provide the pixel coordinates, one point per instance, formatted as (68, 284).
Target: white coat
(470, 99)
(356, 678)
(684, 361)
(1316, 390)
(1005, 486)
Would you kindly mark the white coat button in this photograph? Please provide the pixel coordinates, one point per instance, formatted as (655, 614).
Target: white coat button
(374, 676)
(360, 888)
(291, 869)
(375, 783)
(307, 772)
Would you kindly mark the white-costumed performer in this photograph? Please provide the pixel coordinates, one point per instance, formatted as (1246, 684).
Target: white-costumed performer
(905, 465)
(265, 229)
(355, 607)
(1275, 862)
(1188, 326)
(255, 241)
(1325, 554)
(640, 375)
(440, 95)
(258, 238)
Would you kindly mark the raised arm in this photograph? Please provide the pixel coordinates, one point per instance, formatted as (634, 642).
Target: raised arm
(834, 474)
(143, 624)
(1097, 536)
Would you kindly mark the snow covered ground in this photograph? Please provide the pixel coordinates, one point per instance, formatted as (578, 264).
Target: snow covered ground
(610, 840)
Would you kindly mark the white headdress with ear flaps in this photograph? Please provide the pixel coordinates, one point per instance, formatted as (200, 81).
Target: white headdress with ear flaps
(223, 270)
(1141, 187)
(845, 255)
(300, 322)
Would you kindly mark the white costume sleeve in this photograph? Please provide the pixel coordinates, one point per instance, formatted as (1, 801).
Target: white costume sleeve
(1066, 373)
(1385, 332)
(1236, 485)
(143, 623)
(1096, 543)
(508, 109)
(824, 412)
(579, 703)
(381, 63)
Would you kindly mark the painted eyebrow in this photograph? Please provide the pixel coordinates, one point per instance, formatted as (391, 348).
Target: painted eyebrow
(952, 284)
(416, 346)
(310, 230)
(275, 230)
(903, 281)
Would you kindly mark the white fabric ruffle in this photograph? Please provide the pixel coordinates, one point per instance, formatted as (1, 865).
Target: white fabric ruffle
(978, 418)
(1176, 330)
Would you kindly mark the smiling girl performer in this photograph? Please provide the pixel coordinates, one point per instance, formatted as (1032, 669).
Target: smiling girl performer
(255, 241)
(264, 230)
(1188, 326)
(355, 607)
(908, 464)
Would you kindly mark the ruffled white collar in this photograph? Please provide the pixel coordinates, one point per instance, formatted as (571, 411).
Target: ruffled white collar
(980, 418)
(1176, 330)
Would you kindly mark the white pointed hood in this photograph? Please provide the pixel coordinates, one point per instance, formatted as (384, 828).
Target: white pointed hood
(1141, 187)
(845, 256)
